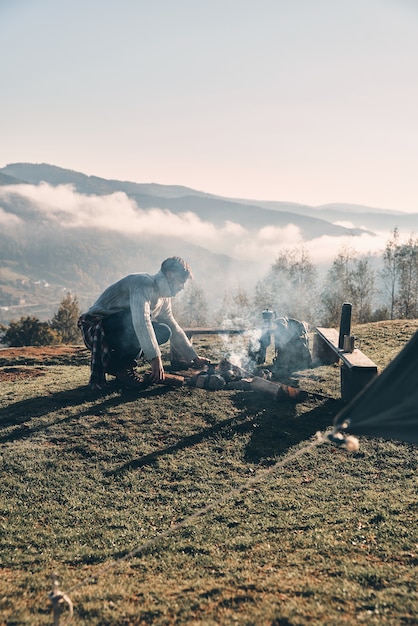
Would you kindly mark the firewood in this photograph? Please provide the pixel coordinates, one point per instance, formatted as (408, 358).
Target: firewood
(172, 380)
(278, 390)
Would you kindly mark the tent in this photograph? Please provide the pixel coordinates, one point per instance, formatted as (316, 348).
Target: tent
(388, 406)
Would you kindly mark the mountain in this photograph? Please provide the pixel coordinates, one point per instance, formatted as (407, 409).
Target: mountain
(5, 179)
(177, 199)
(330, 219)
(47, 247)
(369, 218)
(357, 215)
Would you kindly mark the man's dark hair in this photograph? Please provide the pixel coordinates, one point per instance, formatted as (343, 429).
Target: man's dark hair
(177, 265)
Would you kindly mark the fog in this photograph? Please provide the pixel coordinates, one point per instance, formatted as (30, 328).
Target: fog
(118, 212)
(8, 219)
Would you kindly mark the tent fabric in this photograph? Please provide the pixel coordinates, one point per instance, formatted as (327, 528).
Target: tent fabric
(388, 406)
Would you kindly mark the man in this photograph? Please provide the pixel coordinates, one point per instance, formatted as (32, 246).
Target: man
(130, 319)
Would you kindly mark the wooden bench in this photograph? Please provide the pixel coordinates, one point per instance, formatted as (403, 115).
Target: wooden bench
(214, 331)
(357, 370)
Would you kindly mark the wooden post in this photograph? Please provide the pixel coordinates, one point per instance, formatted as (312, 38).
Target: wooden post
(345, 323)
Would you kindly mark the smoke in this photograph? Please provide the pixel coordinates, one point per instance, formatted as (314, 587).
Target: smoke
(117, 212)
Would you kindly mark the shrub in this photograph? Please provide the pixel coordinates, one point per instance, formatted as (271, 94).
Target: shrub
(29, 331)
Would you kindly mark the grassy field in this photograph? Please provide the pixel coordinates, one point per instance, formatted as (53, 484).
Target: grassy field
(162, 507)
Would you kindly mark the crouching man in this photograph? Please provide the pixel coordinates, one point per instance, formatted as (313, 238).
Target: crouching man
(130, 320)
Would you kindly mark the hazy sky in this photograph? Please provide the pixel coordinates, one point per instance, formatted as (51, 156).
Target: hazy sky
(310, 101)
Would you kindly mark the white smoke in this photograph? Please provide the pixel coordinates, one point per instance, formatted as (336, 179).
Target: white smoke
(118, 212)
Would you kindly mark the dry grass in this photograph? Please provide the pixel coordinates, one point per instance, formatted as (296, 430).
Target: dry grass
(327, 538)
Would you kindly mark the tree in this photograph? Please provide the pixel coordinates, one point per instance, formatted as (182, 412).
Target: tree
(348, 280)
(362, 290)
(236, 310)
(290, 287)
(65, 320)
(3, 329)
(192, 308)
(338, 287)
(407, 263)
(29, 331)
(390, 271)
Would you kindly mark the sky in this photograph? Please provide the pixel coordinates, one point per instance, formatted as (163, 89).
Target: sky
(306, 101)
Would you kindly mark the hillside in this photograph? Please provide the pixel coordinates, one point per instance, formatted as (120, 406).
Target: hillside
(183, 505)
(43, 261)
(90, 232)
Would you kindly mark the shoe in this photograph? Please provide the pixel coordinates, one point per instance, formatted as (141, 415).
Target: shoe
(130, 378)
(113, 367)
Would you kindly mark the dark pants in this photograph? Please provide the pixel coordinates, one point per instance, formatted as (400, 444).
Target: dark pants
(122, 340)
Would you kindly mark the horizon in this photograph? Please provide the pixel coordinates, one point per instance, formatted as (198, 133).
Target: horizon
(118, 212)
(200, 191)
(308, 104)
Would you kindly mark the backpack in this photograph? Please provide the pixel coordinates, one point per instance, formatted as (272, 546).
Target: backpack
(291, 344)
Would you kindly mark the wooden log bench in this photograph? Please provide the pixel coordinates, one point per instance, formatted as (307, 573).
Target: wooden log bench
(357, 370)
(214, 331)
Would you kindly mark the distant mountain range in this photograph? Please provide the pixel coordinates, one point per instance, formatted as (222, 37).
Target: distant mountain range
(313, 221)
(215, 209)
(35, 246)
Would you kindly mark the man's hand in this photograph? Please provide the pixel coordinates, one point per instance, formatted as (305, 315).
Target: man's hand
(157, 370)
(201, 362)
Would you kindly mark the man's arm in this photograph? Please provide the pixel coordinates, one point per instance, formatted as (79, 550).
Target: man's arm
(141, 320)
(180, 343)
(179, 340)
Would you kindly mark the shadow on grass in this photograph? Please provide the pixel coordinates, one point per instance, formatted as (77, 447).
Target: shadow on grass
(277, 426)
(228, 428)
(22, 412)
(275, 434)
(274, 427)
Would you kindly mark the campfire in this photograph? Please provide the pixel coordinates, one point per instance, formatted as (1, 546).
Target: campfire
(226, 375)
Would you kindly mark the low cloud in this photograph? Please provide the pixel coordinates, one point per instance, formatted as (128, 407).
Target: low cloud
(344, 224)
(8, 219)
(118, 212)
(325, 249)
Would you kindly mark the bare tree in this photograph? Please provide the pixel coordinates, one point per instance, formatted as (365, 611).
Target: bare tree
(407, 263)
(338, 287)
(191, 309)
(236, 309)
(290, 287)
(362, 290)
(391, 269)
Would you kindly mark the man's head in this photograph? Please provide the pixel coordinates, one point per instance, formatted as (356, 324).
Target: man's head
(176, 272)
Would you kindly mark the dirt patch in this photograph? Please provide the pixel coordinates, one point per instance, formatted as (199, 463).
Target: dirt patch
(8, 374)
(44, 355)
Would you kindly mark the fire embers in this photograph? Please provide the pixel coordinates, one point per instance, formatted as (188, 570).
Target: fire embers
(220, 376)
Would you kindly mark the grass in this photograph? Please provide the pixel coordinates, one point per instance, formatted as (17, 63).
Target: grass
(100, 489)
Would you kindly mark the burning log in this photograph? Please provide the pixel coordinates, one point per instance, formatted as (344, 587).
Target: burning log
(278, 390)
(229, 376)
